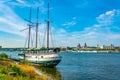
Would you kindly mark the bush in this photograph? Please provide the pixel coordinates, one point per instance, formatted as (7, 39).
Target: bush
(15, 69)
(3, 55)
(2, 70)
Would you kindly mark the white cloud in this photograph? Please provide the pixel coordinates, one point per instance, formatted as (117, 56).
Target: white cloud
(69, 23)
(110, 13)
(106, 29)
(16, 2)
(106, 18)
(113, 36)
(62, 31)
(103, 32)
(9, 22)
(25, 3)
(20, 1)
(100, 33)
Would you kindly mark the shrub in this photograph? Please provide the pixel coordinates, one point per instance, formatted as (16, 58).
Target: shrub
(15, 69)
(3, 55)
(2, 70)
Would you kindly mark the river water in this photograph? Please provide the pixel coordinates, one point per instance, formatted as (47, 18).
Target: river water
(90, 66)
(85, 66)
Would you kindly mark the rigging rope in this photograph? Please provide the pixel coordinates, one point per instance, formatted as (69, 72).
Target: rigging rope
(43, 45)
(32, 41)
(26, 41)
(52, 43)
(39, 40)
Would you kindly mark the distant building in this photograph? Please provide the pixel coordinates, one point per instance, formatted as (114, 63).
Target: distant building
(100, 46)
(78, 46)
(105, 47)
(112, 46)
(68, 48)
(85, 45)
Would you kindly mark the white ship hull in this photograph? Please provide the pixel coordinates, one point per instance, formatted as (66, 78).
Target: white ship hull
(43, 59)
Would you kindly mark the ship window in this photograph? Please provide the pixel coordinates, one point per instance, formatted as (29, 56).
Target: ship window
(41, 56)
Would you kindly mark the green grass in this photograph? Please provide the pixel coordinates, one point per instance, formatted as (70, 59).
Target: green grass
(23, 72)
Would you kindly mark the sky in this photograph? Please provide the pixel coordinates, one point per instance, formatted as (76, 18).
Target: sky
(73, 22)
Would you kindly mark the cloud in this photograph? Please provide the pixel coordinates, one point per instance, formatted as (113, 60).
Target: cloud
(4, 1)
(109, 18)
(20, 1)
(105, 28)
(8, 17)
(106, 31)
(29, 3)
(62, 31)
(8, 22)
(25, 3)
(15, 2)
(113, 36)
(70, 23)
(106, 19)
(11, 24)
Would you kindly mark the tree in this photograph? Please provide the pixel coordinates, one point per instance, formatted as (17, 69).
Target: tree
(3, 55)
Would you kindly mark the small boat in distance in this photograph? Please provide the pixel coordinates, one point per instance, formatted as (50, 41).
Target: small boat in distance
(94, 51)
(42, 56)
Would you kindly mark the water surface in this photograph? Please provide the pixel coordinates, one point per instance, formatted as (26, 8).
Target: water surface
(90, 66)
(84, 66)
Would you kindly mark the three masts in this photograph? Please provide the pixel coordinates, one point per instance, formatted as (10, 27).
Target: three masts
(37, 24)
(43, 57)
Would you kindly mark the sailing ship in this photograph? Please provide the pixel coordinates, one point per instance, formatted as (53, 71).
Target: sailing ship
(43, 56)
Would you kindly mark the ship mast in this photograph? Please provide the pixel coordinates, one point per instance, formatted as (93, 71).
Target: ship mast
(48, 24)
(37, 27)
(29, 30)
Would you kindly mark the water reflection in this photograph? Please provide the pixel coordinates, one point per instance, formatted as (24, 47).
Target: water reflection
(50, 73)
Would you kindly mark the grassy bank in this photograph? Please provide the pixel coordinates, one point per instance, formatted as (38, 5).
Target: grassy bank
(24, 71)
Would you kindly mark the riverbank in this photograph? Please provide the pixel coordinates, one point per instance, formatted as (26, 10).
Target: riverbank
(23, 71)
(93, 51)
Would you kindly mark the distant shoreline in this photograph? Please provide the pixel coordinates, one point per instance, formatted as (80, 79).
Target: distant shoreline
(95, 51)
